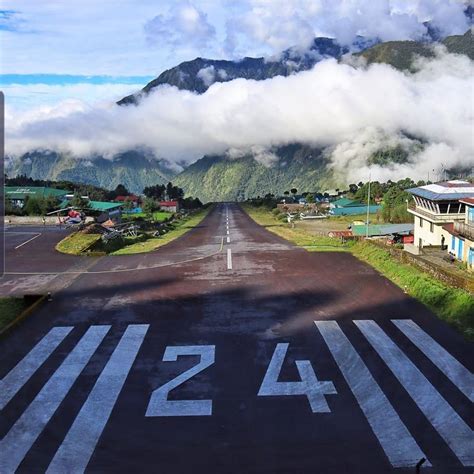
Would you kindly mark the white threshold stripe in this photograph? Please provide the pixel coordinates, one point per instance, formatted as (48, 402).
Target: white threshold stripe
(394, 437)
(79, 444)
(227, 231)
(18, 441)
(27, 242)
(228, 239)
(452, 368)
(229, 259)
(452, 428)
(22, 372)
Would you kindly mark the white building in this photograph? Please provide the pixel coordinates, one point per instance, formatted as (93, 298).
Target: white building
(435, 206)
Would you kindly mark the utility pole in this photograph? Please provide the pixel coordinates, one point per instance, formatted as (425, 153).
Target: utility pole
(368, 209)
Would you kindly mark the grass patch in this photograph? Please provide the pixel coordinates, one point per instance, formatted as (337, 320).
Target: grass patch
(453, 305)
(10, 308)
(180, 228)
(298, 236)
(158, 216)
(77, 243)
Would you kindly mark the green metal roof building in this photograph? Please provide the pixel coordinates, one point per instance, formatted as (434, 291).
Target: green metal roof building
(20, 193)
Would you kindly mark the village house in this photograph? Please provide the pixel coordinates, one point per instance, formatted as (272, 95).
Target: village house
(435, 207)
(170, 206)
(461, 245)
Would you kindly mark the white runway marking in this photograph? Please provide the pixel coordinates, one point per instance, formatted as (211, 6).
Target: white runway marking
(21, 373)
(28, 241)
(228, 239)
(441, 415)
(18, 441)
(227, 231)
(453, 369)
(229, 259)
(394, 437)
(159, 404)
(309, 385)
(76, 450)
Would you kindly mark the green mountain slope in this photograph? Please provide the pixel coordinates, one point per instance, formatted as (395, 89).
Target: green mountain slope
(401, 54)
(131, 169)
(217, 178)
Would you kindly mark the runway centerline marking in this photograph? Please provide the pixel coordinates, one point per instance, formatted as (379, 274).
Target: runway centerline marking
(452, 368)
(21, 437)
(228, 239)
(396, 441)
(79, 444)
(22, 372)
(451, 427)
(229, 259)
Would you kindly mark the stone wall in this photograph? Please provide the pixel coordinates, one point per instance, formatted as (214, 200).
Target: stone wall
(452, 279)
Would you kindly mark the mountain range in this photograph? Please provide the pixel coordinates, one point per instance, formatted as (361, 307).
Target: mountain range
(218, 177)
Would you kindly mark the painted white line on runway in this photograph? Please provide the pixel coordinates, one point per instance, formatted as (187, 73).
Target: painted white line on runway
(229, 259)
(452, 368)
(228, 239)
(452, 428)
(21, 373)
(76, 450)
(227, 231)
(18, 441)
(394, 437)
(28, 241)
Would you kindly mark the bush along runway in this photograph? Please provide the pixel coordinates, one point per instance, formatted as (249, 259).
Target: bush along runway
(229, 350)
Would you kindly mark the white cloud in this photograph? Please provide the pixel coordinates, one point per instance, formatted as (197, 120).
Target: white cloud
(279, 24)
(183, 26)
(207, 75)
(353, 111)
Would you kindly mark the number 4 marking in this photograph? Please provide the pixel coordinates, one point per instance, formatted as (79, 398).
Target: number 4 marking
(309, 384)
(160, 405)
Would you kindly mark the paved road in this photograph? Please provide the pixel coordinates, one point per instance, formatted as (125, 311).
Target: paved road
(255, 358)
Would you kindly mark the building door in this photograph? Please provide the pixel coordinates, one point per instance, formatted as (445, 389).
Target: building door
(471, 257)
(460, 249)
(420, 243)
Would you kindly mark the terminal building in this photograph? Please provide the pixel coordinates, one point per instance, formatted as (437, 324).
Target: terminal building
(438, 209)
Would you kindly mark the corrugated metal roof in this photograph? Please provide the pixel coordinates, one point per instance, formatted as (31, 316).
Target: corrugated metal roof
(388, 229)
(449, 191)
(20, 192)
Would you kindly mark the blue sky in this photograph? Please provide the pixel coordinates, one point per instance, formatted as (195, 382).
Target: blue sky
(63, 44)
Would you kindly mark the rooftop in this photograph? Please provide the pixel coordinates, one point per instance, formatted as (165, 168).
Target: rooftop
(21, 192)
(445, 191)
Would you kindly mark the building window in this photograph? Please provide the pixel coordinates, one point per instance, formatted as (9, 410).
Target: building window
(421, 222)
(453, 243)
(431, 227)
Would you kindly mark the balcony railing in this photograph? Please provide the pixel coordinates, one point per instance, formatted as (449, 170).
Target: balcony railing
(466, 230)
(434, 216)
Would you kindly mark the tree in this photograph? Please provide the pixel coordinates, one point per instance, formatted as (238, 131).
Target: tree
(286, 193)
(149, 207)
(173, 192)
(293, 191)
(310, 198)
(157, 192)
(353, 188)
(120, 190)
(394, 207)
(79, 202)
(32, 206)
(128, 205)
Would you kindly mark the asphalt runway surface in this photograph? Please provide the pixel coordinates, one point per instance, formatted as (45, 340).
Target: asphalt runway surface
(228, 350)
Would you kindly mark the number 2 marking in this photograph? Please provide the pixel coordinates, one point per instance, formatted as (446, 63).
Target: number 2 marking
(309, 384)
(159, 404)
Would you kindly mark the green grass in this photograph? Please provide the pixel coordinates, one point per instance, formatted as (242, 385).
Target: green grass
(453, 305)
(10, 308)
(298, 236)
(158, 216)
(181, 227)
(77, 243)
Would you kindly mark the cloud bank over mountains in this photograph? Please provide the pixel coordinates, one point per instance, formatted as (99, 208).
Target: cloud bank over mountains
(350, 111)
